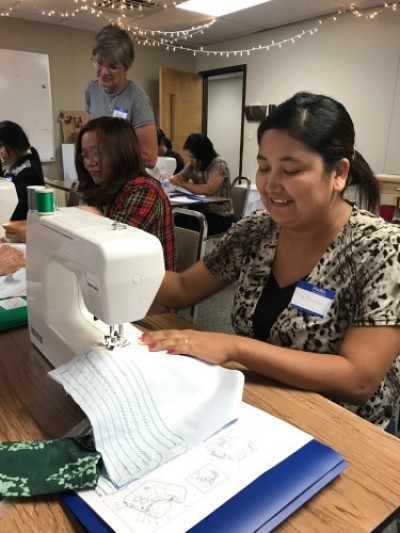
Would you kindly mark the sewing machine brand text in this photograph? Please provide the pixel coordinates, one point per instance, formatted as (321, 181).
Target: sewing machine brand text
(91, 284)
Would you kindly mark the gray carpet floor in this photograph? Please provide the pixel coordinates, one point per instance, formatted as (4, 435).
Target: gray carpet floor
(214, 314)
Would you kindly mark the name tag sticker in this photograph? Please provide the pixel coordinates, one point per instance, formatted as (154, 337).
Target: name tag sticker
(312, 299)
(120, 112)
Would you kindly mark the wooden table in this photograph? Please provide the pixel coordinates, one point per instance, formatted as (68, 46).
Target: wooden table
(68, 187)
(390, 184)
(62, 185)
(363, 497)
(72, 196)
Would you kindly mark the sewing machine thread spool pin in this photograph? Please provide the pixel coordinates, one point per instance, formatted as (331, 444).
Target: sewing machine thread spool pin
(31, 189)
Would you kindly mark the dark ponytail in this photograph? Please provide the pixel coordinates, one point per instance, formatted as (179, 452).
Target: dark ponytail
(324, 126)
(362, 176)
(36, 158)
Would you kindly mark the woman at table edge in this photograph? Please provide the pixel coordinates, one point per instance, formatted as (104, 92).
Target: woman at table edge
(347, 346)
(208, 174)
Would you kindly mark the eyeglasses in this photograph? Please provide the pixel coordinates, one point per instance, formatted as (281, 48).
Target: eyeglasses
(98, 65)
(94, 156)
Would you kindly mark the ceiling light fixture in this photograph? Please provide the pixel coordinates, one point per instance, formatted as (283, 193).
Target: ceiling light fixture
(220, 8)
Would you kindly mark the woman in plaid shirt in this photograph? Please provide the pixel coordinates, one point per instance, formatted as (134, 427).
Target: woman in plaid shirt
(113, 181)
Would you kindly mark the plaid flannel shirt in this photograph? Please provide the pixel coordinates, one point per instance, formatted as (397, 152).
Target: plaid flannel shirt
(143, 203)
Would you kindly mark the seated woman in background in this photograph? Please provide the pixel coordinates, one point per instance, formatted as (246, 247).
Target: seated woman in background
(206, 174)
(113, 181)
(24, 166)
(165, 150)
(318, 295)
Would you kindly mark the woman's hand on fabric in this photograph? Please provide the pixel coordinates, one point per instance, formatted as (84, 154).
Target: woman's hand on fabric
(215, 348)
(11, 260)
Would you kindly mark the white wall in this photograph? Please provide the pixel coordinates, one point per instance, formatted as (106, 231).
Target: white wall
(353, 59)
(224, 118)
(71, 69)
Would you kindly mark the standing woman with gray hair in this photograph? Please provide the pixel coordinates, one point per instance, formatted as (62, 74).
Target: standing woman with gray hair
(112, 94)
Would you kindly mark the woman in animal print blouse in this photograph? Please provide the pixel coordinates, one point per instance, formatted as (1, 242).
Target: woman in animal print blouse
(318, 280)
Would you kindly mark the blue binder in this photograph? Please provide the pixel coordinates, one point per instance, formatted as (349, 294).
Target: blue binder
(263, 504)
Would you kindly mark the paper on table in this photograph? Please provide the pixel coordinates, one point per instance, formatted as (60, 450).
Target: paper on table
(179, 188)
(146, 408)
(13, 284)
(182, 492)
(183, 199)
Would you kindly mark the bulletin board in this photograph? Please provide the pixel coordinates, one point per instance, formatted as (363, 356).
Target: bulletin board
(71, 123)
(25, 97)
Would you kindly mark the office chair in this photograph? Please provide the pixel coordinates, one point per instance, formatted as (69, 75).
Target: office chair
(73, 197)
(190, 244)
(240, 194)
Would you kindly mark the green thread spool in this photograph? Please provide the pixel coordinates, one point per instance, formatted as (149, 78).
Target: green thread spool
(31, 190)
(45, 201)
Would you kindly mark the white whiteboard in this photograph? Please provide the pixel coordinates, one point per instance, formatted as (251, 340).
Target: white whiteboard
(25, 97)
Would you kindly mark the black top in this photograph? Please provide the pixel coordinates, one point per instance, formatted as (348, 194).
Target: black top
(26, 171)
(273, 300)
(179, 160)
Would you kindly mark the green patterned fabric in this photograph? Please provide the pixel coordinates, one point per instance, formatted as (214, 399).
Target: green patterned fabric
(32, 468)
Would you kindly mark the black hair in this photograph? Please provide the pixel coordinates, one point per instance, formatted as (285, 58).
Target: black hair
(13, 137)
(324, 126)
(202, 149)
(119, 140)
(163, 139)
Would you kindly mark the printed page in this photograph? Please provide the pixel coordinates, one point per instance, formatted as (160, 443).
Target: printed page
(147, 408)
(181, 190)
(182, 492)
(13, 284)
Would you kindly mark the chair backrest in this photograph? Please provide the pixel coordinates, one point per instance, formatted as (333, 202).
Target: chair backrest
(73, 197)
(240, 189)
(190, 243)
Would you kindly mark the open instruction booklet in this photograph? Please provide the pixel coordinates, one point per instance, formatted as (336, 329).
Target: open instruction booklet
(13, 306)
(183, 196)
(182, 451)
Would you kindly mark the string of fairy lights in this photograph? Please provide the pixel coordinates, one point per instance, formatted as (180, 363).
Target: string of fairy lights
(172, 40)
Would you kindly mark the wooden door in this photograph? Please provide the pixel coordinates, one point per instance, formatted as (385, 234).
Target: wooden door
(181, 105)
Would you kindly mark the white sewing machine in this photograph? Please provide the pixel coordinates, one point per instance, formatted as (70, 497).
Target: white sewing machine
(8, 202)
(87, 278)
(164, 168)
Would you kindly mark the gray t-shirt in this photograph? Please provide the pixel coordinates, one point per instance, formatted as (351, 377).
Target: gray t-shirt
(131, 103)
